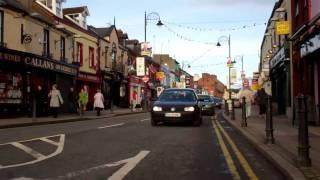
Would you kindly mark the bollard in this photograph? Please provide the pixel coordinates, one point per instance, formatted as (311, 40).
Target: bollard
(303, 136)
(244, 113)
(269, 123)
(226, 107)
(232, 110)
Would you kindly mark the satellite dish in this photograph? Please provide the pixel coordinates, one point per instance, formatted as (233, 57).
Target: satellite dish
(268, 87)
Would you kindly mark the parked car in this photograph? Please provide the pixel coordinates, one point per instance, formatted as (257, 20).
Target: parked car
(175, 105)
(207, 105)
(217, 101)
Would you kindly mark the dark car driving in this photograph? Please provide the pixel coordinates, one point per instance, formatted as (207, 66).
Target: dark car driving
(176, 105)
(207, 105)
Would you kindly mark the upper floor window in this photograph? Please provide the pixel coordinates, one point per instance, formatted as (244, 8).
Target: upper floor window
(106, 56)
(1, 28)
(91, 57)
(58, 7)
(79, 55)
(47, 3)
(46, 48)
(63, 48)
(297, 7)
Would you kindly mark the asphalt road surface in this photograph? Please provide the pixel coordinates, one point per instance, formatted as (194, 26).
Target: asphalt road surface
(128, 147)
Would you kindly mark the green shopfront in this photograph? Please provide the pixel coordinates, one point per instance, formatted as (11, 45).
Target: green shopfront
(21, 73)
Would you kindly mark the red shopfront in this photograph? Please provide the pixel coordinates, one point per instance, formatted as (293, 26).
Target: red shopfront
(135, 84)
(92, 82)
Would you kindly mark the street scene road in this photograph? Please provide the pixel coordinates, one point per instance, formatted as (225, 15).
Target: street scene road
(128, 147)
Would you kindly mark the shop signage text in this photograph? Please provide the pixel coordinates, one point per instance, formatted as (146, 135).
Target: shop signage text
(38, 62)
(282, 27)
(88, 77)
(277, 58)
(312, 45)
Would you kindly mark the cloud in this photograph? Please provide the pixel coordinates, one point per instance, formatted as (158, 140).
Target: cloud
(232, 2)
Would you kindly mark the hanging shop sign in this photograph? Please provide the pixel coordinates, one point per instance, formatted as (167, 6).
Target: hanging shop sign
(160, 76)
(282, 27)
(37, 61)
(277, 58)
(233, 75)
(145, 79)
(26, 38)
(140, 63)
(310, 46)
(146, 49)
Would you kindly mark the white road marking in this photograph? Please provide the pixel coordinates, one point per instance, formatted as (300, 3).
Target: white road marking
(114, 125)
(130, 163)
(145, 120)
(39, 157)
(49, 141)
(28, 150)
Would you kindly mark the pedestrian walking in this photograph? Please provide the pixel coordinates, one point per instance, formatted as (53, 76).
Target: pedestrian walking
(261, 101)
(55, 100)
(83, 100)
(41, 101)
(98, 102)
(72, 101)
(134, 100)
(248, 94)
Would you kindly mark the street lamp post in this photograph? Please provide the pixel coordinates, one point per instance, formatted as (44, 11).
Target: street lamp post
(150, 16)
(229, 59)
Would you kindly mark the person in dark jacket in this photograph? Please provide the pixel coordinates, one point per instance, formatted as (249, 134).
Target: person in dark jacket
(41, 101)
(72, 101)
(261, 100)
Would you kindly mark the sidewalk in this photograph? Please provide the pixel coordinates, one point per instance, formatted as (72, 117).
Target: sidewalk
(284, 152)
(62, 118)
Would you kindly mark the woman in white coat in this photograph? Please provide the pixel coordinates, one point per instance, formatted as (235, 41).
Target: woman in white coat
(55, 100)
(98, 101)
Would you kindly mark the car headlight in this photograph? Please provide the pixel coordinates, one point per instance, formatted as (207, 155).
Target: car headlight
(157, 108)
(189, 109)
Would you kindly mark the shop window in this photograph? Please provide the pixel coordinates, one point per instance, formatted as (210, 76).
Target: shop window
(46, 48)
(10, 88)
(79, 54)
(1, 28)
(62, 48)
(91, 57)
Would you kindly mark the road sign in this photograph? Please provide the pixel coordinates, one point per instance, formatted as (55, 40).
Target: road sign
(145, 79)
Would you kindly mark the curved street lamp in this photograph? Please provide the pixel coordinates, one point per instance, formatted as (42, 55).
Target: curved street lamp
(154, 16)
(228, 39)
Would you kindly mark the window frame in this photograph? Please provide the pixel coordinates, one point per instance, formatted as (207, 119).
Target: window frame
(45, 43)
(1, 28)
(79, 55)
(62, 48)
(91, 57)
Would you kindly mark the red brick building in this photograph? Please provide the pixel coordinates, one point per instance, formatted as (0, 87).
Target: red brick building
(209, 84)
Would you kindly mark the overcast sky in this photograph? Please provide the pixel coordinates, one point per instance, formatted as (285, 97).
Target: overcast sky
(192, 27)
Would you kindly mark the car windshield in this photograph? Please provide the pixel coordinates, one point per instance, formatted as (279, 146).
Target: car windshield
(177, 95)
(205, 98)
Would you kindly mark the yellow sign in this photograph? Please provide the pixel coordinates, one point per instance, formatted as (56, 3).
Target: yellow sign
(230, 65)
(160, 76)
(282, 27)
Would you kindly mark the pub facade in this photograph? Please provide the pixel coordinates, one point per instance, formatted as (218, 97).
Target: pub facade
(33, 53)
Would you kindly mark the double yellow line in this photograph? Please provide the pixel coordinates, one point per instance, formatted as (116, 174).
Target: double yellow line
(243, 162)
